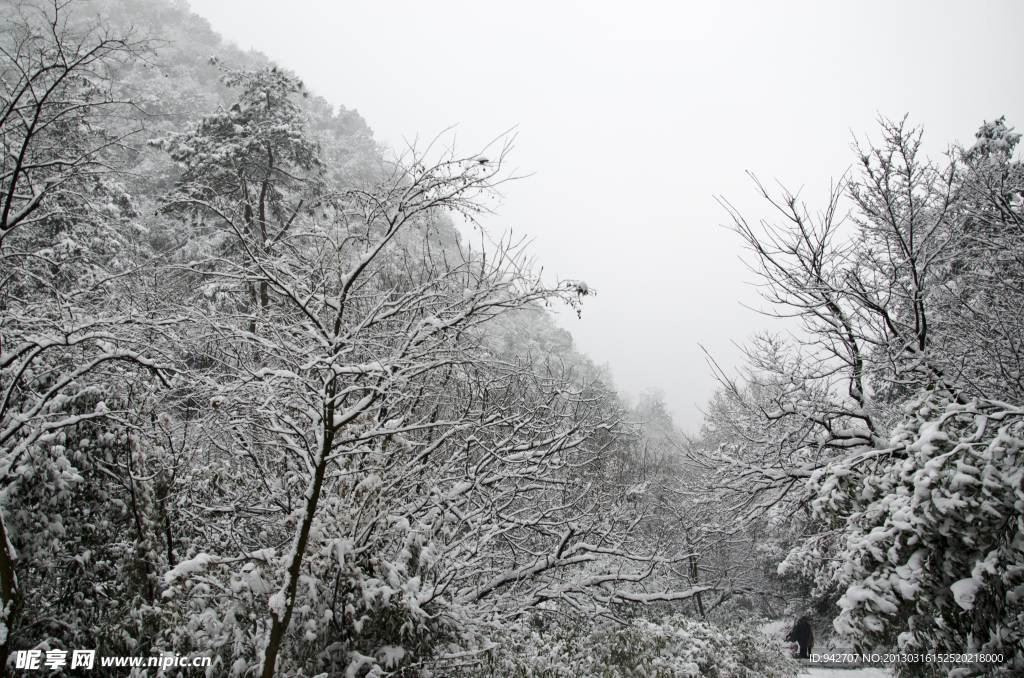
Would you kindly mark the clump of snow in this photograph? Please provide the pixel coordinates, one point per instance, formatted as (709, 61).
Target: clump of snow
(964, 592)
(187, 567)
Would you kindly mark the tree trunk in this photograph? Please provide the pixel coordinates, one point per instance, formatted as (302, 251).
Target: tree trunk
(281, 623)
(695, 575)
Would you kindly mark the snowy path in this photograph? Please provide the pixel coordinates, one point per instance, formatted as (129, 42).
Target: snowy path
(866, 672)
(776, 630)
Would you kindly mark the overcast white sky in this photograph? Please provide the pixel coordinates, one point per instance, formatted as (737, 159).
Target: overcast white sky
(632, 117)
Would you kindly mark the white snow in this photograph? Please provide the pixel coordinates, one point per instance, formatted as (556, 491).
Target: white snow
(964, 592)
(189, 566)
(865, 672)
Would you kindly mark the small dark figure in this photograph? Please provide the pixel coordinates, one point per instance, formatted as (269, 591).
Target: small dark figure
(803, 636)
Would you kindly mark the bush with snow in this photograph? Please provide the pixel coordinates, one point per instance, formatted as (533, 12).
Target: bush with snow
(934, 526)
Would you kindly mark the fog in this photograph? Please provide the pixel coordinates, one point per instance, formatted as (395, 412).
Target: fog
(629, 123)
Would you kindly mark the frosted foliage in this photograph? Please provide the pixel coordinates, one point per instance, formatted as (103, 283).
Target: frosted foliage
(995, 138)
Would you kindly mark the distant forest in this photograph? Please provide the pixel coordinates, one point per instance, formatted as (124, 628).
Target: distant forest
(268, 408)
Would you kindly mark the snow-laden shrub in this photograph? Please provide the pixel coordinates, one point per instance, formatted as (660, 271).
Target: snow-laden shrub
(676, 647)
(87, 533)
(356, 615)
(934, 527)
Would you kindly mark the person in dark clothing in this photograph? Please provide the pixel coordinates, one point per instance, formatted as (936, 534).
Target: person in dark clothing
(803, 636)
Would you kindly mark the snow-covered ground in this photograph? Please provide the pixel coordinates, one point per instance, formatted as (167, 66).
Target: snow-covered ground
(867, 672)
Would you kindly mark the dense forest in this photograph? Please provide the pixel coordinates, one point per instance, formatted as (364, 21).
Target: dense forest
(273, 399)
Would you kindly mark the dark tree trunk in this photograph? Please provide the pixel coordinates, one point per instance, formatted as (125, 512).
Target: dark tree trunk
(281, 622)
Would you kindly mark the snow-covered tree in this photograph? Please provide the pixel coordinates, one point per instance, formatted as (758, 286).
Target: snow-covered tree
(376, 476)
(868, 292)
(916, 291)
(71, 331)
(977, 332)
(253, 167)
(930, 522)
